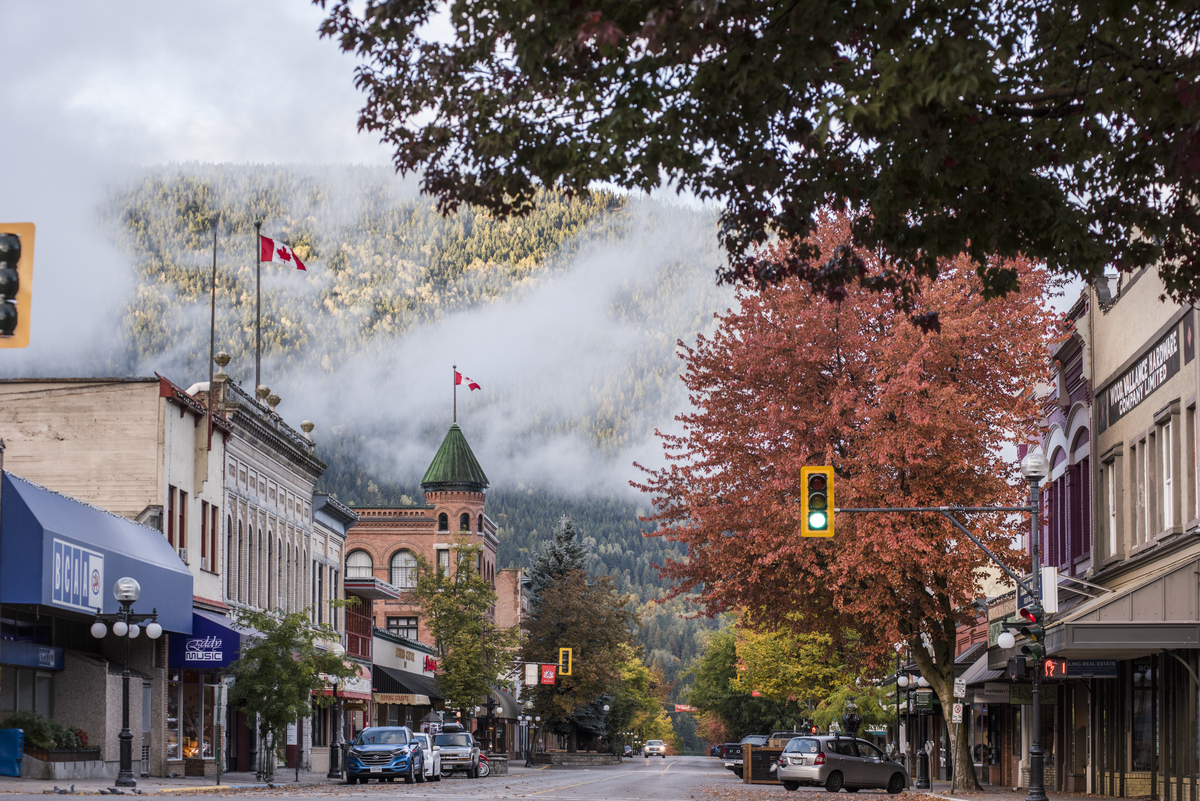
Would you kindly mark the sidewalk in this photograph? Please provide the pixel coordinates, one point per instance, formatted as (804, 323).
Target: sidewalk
(991, 793)
(284, 777)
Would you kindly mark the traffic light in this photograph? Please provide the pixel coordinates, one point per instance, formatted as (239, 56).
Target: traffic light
(1035, 631)
(816, 502)
(564, 661)
(1017, 670)
(16, 283)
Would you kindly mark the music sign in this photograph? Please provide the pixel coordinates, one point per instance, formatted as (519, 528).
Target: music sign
(77, 577)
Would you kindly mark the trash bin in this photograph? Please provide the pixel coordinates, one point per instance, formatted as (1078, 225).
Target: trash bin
(12, 748)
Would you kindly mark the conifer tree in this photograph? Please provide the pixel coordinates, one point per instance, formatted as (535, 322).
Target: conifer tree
(562, 555)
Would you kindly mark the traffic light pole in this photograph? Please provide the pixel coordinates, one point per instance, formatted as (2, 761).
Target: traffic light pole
(1037, 790)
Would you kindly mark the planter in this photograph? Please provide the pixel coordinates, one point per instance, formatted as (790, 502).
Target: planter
(63, 754)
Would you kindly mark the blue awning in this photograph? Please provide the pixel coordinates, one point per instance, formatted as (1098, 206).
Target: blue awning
(215, 642)
(60, 552)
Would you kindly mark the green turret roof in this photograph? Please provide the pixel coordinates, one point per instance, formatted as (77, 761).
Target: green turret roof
(454, 466)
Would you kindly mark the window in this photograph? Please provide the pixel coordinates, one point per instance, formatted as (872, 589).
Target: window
(404, 570)
(1166, 477)
(443, 560)
(26, 690)
(334, 592)
(320, 570)
(443, 522)
(403, 627)
(359, 565)
(481, 524)
(214, 564)
(191, 703)
(182, 530)
(464, 522)
(203, 532)
(1110, 473)
(170, 515)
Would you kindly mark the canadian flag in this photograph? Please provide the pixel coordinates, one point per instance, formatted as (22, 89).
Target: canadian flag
(459, 378)
(270, 250)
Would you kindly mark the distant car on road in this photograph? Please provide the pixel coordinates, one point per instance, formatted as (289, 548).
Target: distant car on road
(458, 750)
(655, 748)
(838, 762)
(627, 751)
(732, 752)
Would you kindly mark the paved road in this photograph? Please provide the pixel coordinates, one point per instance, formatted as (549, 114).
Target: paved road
(655, 779)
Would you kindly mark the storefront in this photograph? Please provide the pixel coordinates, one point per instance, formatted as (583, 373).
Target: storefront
(59, 559)
(195, 672)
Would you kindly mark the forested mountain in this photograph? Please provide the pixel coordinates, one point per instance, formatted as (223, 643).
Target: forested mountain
(393, 290)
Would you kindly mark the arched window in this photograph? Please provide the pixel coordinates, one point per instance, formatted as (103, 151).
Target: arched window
(404, 570)
(443, 522)
(359, 565)
(481, 524)
(464, 522)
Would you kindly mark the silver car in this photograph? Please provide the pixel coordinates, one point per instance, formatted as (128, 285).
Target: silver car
(655, 748)
(432, 761)
(836, 762)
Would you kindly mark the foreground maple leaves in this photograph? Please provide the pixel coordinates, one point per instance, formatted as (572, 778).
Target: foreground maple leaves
(906, 418)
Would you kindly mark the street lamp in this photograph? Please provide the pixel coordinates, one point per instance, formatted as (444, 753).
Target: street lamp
(1035, 467)
(923, 752)
(335, 750)
(126, 626)
(851, 719)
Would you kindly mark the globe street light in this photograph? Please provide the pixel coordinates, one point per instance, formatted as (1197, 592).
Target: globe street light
(125, 625)
(335, 768)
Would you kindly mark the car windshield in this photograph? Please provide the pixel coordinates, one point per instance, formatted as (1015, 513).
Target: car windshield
(803, 745)
(654, 742)
(423, 739)
(453, 740)
(382, 737)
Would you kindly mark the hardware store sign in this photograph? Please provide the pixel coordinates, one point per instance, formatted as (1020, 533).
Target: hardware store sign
(1146, 375)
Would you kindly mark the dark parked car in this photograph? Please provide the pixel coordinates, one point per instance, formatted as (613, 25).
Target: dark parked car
(627, 751)
(385, 752)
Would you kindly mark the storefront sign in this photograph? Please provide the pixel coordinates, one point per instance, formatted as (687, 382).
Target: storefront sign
(1023, 694)
(399, 699)
(29, 654)
(77, 576)
(211, 645)
(1092, 668)
(1149, 373)
(291, 734)
(877, 730)
(993, 692)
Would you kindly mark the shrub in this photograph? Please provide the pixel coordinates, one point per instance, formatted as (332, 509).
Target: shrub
(46, 734)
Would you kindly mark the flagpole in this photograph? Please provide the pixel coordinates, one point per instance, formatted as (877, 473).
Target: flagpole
(212, 337)
(454, 381)
(257, 304)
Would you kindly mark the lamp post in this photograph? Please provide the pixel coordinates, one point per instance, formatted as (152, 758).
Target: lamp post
(901, 684)
(335, 747)
(1035, 467)
(923, 754)
(126, 625)
(851, 719)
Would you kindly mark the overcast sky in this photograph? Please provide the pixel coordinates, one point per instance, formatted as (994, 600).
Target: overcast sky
(91, 90)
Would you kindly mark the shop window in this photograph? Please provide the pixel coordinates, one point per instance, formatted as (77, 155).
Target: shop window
(26, 690)
(191, 703)
(404, 570)
(1015, 732)
(320, 726)
(403, 627)
(1142, 716)
(359, 565)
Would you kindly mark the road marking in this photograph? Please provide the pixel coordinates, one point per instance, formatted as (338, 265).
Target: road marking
(668, 767)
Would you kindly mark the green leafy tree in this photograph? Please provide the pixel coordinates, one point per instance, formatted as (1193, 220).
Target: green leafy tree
(636, 704)
(803, 668)
(281, 667)
(590, 618)
(875, 706)
(472, 650)
(1065, 132)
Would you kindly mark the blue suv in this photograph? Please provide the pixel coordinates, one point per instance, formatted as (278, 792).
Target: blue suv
(385, 752)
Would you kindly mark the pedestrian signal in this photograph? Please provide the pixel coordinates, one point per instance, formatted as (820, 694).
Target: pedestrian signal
(564, 661)
(816, 502)
(16, 283)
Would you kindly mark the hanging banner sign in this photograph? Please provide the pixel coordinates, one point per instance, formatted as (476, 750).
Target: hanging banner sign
(1147, 374)
(531, 673)
(549, 673)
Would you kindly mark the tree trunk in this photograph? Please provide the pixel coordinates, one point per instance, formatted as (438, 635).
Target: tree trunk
(965, 780)
(573, 738)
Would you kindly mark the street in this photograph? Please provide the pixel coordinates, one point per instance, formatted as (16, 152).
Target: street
(670, 779)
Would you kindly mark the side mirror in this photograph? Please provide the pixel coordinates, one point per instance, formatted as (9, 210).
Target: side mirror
(437, 748)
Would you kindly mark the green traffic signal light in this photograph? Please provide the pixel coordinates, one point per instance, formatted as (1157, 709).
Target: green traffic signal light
(815, 503)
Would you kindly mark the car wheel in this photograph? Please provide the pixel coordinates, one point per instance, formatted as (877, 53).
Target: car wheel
(647, 756)
(737, 772)
(664, 756)
(437, 773)
(421, 774)
(834, 782)
(851, 789)
(411, 777)
(896, 783)
(791, 787)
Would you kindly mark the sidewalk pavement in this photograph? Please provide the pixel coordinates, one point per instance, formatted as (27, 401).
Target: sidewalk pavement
(991, 793)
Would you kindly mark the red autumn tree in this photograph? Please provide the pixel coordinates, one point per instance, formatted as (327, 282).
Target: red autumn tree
(905, 417)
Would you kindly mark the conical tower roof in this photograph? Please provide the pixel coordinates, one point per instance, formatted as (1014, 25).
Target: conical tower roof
(454, 467)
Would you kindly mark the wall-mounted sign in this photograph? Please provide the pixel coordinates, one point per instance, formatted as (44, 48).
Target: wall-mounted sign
(77, 577)
(1092, 668)
(1023, 694)
(211, 645)
(1147, 374)
(993, 692)
(923, 699)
